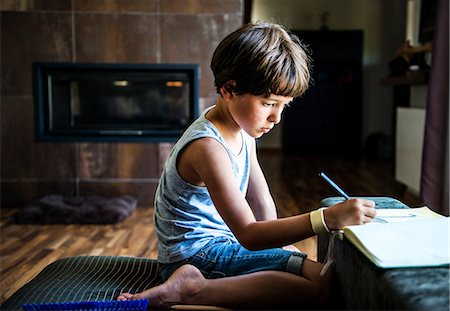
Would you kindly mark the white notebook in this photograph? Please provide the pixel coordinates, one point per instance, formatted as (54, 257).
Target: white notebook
(401, 238)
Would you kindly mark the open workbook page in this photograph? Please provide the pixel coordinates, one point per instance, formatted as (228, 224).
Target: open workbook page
(415, 237)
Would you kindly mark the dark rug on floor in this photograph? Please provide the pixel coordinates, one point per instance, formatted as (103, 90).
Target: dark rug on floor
(57, 209)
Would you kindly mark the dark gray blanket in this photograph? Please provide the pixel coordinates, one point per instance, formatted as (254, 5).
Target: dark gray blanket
(57, 209)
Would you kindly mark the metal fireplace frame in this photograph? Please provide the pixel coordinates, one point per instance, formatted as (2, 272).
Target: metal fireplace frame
(45, 132)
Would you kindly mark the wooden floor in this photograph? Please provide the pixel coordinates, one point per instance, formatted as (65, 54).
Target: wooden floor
(26, 249)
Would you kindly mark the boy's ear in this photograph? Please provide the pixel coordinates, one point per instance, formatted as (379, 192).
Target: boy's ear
(227, 89)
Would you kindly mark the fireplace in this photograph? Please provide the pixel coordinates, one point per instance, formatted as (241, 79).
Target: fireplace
(114, 102)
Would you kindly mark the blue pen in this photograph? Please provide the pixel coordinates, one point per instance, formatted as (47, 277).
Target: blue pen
(334, 185)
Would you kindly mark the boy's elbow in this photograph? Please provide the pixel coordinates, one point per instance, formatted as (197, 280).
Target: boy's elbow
(249, 241)
(251, 246)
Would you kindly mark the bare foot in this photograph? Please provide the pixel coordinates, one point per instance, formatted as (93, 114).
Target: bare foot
(180, 288)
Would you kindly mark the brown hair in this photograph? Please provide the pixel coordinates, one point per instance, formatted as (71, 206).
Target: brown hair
(262, 58)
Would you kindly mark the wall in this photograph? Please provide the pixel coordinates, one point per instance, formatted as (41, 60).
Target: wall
(410, 127)
(383, 23)
(134, 31)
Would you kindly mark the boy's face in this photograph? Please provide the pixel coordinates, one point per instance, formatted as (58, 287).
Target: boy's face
(257, 115)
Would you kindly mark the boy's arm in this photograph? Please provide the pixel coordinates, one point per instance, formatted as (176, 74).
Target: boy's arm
(258, 194)
(209, 164)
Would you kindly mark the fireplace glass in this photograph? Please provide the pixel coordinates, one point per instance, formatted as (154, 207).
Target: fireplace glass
(114, 102)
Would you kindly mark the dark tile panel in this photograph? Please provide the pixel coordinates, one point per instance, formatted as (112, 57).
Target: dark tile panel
(103, 160)
(116, 5)
(21, 156)
(135, 160)
(193, 38)
(116, 38)
(30, 5)
(19, 192)
(143, 191)
(201, 6)
(28, 37)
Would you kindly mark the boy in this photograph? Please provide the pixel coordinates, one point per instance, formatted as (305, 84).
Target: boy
(220, 241)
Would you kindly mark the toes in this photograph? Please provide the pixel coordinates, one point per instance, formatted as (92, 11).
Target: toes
(125, 296)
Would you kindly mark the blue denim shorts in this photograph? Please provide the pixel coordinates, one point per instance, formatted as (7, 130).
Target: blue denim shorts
(222, 257)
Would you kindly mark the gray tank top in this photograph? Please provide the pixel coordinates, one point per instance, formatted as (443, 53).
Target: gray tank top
(185, 216)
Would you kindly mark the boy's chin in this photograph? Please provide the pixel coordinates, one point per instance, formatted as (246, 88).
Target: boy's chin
(256, 135)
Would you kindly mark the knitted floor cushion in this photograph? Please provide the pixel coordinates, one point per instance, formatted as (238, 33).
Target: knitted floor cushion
(86, 278)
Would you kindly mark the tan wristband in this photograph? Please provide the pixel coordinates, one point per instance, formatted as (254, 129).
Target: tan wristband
(318, 221)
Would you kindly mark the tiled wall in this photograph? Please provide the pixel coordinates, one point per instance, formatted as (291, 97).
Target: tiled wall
(117, 31)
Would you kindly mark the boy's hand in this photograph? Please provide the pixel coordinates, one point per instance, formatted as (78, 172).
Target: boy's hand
(350, 212)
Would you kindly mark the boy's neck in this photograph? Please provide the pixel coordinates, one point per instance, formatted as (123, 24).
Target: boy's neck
(225, 124)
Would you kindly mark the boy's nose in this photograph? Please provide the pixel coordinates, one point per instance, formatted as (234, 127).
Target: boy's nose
(275, 116)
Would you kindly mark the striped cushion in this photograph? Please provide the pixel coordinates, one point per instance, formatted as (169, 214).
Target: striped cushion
(87, 278)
